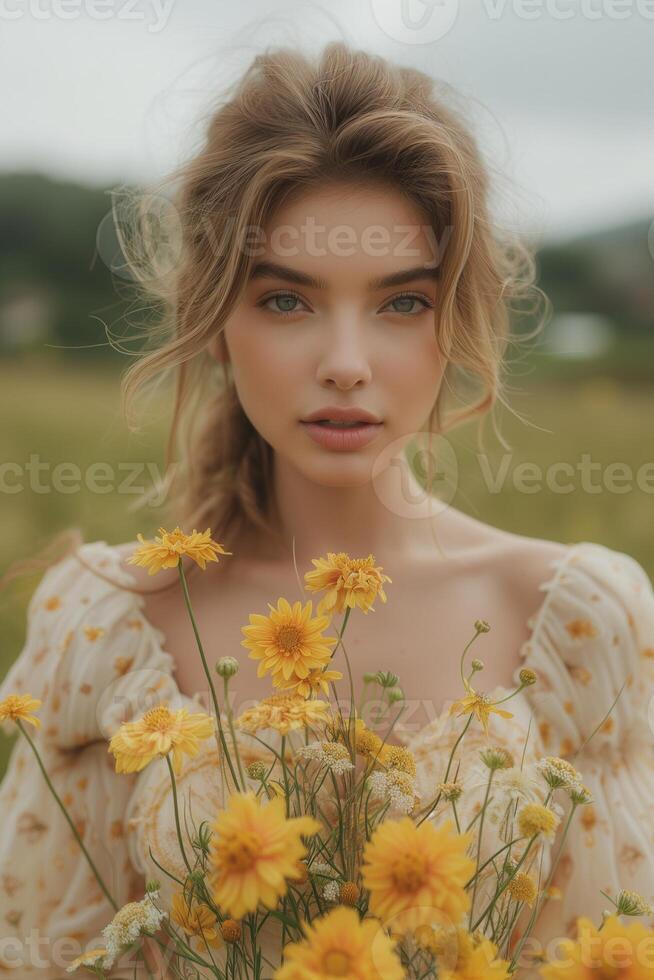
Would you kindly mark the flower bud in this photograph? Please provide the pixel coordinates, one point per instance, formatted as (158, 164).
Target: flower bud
(482, 626)
(257, 770)
(386, 678)
(227, 667)
(231, 930)
(451, 790)
(496, 757)
(349, 893)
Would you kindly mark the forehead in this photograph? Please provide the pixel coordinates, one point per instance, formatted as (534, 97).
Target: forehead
(374, 226)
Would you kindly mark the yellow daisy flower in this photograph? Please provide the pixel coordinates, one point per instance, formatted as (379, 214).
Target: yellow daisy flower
(90, 958)
(167, 549)
(198, 920)
(347, 582)
(316, 682)
(478, 705)
(283, 712)
(17, 706)
(416, 872)
(339, 944)
(158, 732)
(614, 951)
(461, 956)
(253, 850)
(365, 742)
(289, 642)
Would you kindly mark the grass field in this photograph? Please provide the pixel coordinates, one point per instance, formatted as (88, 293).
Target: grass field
(73, 417)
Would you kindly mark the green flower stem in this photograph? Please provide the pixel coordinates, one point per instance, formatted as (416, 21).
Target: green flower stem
(463, 656)
(430, 809)
(363, 696)
(350, 776)
(490, 860)
(340, 643)
(349, 670)
(538, 903)
(72, 826)
(479, 836)
(187, 600)
(488, 911)
(282, 752)
(230, 722)
(177, 824)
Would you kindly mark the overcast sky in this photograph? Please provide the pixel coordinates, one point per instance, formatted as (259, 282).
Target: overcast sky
(559, 91)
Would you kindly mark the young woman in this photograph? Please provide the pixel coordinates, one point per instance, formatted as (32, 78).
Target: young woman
(336, 261)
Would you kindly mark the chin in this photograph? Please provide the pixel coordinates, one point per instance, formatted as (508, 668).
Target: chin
(339, 472)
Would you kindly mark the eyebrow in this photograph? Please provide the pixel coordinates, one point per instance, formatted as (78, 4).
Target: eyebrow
(272, 270)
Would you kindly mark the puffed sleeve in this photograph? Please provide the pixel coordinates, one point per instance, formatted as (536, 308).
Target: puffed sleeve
(94, 661)
(593, 636)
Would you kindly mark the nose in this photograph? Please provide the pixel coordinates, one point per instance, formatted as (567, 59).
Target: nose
(345, 360)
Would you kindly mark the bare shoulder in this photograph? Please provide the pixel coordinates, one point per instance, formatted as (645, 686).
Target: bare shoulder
(520, 563)
(525, 563)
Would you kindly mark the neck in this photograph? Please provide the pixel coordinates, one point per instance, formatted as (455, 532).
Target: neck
(387, 516)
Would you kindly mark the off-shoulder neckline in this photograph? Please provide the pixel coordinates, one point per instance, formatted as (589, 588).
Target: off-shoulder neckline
(549, 585)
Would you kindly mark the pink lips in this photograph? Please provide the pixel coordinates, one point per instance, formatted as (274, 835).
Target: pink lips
(344, 440)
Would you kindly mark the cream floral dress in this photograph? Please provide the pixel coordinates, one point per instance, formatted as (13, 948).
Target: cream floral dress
(95, 661)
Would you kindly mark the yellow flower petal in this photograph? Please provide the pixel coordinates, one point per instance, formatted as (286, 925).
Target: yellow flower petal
(168, 548)
(160, 731)
(19, 707)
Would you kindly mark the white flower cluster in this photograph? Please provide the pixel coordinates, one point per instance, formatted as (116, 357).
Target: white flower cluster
(331, 892)
(332, 755)
(131, 921)
(394, 786)
(561, 774)
(322, 870)
(509, 787)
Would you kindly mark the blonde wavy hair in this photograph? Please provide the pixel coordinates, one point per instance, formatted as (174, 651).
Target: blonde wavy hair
(294, 122)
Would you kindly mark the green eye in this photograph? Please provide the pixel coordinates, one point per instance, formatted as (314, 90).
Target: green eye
(405, 300)
(404, 303)
(285, 303)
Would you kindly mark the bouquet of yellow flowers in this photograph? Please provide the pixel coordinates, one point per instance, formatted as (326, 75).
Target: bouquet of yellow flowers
(324, 842)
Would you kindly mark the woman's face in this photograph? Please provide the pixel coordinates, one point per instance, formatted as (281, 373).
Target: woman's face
(318, 326)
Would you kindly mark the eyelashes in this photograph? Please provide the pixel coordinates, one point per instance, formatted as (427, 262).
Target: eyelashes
(426, 304)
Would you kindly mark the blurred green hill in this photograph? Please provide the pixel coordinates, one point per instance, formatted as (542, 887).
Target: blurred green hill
(53, 282)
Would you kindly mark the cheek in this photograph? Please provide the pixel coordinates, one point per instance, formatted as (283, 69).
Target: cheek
(415, 371)
(265, 370)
